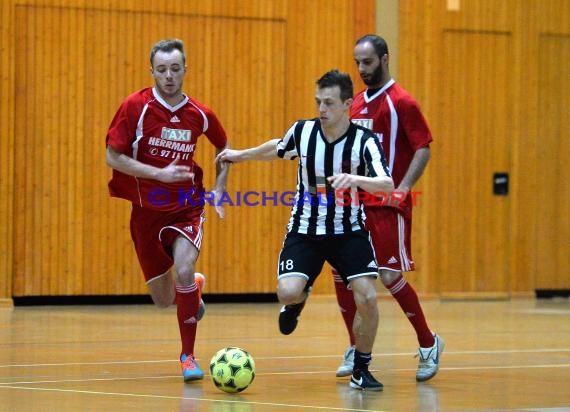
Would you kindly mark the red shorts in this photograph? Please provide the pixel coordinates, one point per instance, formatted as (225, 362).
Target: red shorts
(391, 234)
(153, 233)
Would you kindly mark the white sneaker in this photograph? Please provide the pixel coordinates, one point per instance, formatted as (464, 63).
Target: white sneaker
(429, 360)
(347, 364)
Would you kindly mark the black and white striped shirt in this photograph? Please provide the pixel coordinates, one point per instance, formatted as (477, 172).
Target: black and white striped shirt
(319, 209)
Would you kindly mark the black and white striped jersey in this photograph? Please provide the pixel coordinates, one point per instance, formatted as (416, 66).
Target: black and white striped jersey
(318, 208)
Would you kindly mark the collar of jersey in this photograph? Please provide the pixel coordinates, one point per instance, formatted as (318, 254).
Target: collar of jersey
(165, 104)
(379, 92)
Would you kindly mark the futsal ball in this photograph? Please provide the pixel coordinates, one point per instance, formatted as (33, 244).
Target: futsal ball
(232, 369)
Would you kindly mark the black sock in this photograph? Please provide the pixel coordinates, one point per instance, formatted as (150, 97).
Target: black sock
(362, 360)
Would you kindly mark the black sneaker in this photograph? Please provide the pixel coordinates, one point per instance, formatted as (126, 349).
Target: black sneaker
(288, 317)
(363, 380)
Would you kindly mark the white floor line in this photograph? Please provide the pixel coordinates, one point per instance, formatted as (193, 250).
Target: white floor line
(135, 395)
(447, 353)
(291, 372)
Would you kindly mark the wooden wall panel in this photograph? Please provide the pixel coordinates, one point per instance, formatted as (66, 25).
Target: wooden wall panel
(534, 22)
(6, 153)
(326, 44)
(432, 67)
(553, 194)
(48, 158)
(524, 178)
(255, 63)
(241, 250)
(478, 15)
(416, 31)
(474, 140)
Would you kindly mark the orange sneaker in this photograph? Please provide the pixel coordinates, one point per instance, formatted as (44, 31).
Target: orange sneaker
(190, 369)
(200, 280)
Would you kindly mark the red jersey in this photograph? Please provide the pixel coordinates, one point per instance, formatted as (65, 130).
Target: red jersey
(151, 131)
(395, 117)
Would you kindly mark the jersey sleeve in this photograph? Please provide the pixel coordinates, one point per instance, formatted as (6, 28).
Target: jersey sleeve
(414, 124)
(287, 146)
(374, 158)
(214, 130)
(122, 129)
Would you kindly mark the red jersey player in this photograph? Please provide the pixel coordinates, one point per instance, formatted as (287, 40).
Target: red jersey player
(395, 117)
(150, 146)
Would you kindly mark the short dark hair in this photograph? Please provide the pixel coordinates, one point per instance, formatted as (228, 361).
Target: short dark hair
(337, 78)
(380, 45)
(167, 45)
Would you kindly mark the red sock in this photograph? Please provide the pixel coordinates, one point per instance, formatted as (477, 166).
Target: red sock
(187, 304)
(346, 304)
(410, 304)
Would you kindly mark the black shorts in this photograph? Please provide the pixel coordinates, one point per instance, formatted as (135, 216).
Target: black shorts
(304, 256)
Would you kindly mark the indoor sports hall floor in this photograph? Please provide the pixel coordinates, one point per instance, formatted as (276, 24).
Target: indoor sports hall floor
(500, 355)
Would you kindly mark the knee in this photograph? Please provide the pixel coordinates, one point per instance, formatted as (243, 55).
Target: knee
(387, 277)
(366, 298)
(289, 294)
(364, 294)
(185, 275)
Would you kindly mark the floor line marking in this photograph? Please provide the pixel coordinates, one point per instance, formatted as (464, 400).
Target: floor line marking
(329, 408)
(452, 368)
(447, 353)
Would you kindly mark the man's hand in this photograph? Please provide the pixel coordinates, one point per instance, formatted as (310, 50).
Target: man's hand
(175, 173)
(342, 181)
(219, 207)
(132, 167)
(229, 156)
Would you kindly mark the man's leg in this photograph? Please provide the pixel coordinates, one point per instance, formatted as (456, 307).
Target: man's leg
(391, 234)
(157, 249)
(292, 292)
(162, 290)
(347, 309)
(185, 255)
(365, 333)
(431, 345)
(367, 307)
(346, 304)
(408, 300)
(299, 262)
(287, 291)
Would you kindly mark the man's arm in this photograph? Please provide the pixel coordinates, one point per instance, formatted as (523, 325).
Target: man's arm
(383, 184)
(415, 170)
(132, 167)
(265, 151)
(222, 172)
